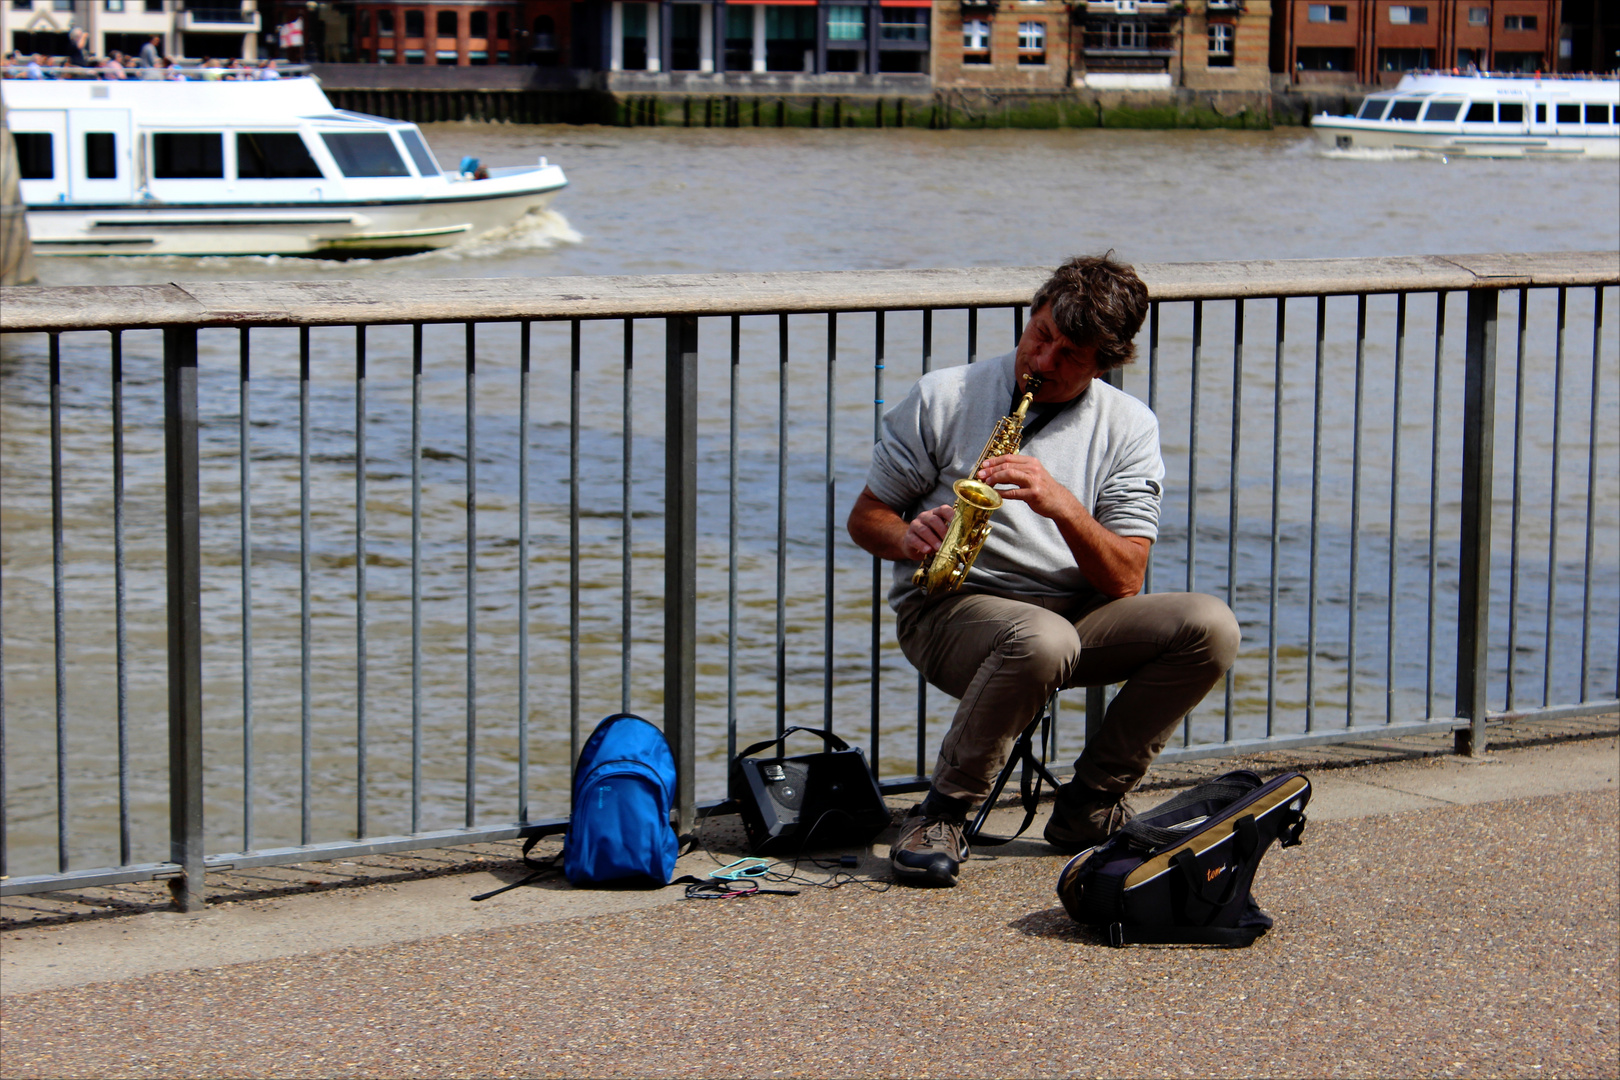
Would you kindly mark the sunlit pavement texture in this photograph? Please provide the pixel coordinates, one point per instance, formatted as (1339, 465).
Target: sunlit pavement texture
(1444, 917)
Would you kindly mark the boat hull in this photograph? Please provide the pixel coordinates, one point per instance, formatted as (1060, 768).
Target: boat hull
(318, 229)
(1336, 133)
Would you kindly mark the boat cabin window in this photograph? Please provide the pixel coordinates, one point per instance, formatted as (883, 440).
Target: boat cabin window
(1597, 114)
(1405, 109)
(1481, 112)
(1372, 109)
(100, 155)
(188, 155)
(1443, 110)
(365, 153)
(274, 155)
(1569, 114)
(1510, 112)
(419, 152)
(35, 159)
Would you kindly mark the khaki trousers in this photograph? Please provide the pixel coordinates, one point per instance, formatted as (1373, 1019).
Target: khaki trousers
(1003, 656)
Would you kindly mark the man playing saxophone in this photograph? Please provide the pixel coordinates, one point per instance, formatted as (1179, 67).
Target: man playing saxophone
(1053, 599)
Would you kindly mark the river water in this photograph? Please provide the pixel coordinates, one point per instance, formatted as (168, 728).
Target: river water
(653, 201)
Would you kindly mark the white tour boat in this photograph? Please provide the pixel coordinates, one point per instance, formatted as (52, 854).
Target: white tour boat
(1484, 116)
(267, 167)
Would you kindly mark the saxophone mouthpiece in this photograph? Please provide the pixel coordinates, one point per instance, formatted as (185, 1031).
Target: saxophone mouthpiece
(1032, 383)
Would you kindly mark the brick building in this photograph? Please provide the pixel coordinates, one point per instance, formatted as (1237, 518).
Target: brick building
(1367, 42)
(1104, 44)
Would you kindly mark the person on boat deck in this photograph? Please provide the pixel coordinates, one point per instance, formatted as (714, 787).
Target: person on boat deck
(151, 52)
(1054, 599)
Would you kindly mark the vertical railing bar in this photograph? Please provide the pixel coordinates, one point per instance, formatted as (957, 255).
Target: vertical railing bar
(524, 335)
(831, 571)
(1351, 653)
(972, 334)
(1192, 471)
(1394, 508)
(1518, 501)
(305, 622)
(575, 328)
(361, 824)
(1316, 519)
(626, 519)
(922, 683)
(1434, 497)
(1232, 485)
(877, 563)
(1276, 509)
(59, 605)
(1475, 518)
(1018, 324)
(5, 860)
(183, 562)
(245, 477)
(731, 543)
(1591, 489)
(120, 616)
(416, 577)
(680, 559)
(470, 375)
(1153, 406)
(1553, 493)
(781, 520)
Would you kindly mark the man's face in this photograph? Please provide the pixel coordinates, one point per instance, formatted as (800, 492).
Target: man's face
(1066, 369)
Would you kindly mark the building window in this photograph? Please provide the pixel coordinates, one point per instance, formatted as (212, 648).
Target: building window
(1479, 16)
(503, 24)
(846, 23)
(903, 24)
(385, 23)
(975, 41)
(1327, 13)
(1220, 44)
(1318, 58)
(1032, 43)
(1518, 22)
(1403, 59)
(478, 24)
(1408, 15)
(415, 24)
(61, 5)
(445, 24)
(116, 7)
(154, 6)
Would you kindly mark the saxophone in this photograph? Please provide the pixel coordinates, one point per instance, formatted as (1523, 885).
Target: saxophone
(975, 502)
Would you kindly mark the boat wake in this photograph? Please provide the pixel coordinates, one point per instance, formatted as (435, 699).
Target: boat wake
(1378, 154)
(537, 231)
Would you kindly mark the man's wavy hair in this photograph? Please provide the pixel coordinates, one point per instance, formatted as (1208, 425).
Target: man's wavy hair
(1099, 303)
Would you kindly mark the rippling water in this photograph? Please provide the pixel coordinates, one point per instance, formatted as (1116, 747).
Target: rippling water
(672, 201)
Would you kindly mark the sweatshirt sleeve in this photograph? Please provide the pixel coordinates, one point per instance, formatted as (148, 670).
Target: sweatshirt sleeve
(1128, 498)
(903, 469)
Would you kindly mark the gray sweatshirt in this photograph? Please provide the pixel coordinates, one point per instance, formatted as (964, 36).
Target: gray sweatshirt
(1104, 448)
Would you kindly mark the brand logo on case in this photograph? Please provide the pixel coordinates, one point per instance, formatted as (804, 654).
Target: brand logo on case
(1211, 875)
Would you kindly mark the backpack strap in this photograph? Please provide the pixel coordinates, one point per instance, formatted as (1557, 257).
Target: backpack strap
(1029, 785)
(541, 868)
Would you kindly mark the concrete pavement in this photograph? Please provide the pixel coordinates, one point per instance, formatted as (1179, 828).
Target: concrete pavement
(1445, 916)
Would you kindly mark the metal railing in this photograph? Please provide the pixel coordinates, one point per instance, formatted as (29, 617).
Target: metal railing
(372, 525)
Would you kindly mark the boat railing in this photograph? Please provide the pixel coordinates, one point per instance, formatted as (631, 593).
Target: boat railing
(354, 565)
(194, 72)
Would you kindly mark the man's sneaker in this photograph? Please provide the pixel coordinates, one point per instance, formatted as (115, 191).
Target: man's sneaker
(1084, 817)
(929, 851)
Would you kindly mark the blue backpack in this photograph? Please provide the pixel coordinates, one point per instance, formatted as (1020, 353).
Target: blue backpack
(624, 786)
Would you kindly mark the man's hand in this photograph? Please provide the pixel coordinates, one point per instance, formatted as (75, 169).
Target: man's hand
(1031, 484)
(1115, 565)
(926, 532)
(881, 530)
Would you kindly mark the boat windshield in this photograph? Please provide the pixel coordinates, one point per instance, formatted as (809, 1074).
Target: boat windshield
(1405, 109)
(1373, 109)
(1443, 110)
(365, 153)
(425, 164)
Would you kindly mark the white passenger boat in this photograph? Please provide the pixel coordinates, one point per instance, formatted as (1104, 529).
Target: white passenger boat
(242, 168)
(1484, 116)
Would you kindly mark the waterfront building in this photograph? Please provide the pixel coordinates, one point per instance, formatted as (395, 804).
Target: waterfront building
(1103, 44)
(1375, 42)
(192, 29)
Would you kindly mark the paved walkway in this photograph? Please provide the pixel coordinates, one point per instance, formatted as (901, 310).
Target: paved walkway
(1444, 917)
